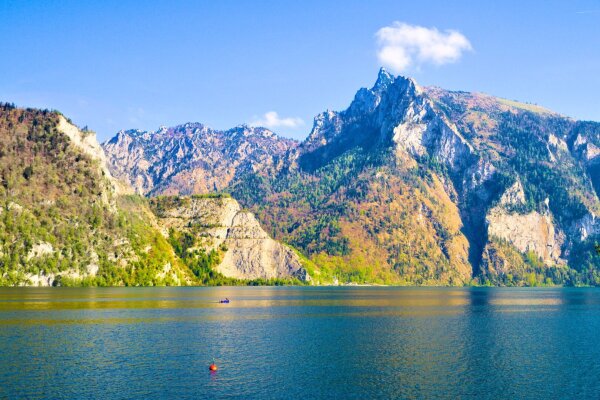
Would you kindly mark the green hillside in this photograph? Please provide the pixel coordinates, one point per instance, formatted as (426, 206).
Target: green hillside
(59, 219)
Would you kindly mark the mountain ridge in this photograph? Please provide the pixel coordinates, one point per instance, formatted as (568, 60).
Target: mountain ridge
(66, 221)
(262, 146)
(448, 150)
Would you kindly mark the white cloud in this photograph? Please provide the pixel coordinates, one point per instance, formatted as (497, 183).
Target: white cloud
(402, 45)
(272, 120)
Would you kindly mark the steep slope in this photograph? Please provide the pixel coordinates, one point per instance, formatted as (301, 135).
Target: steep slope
(192, 158)
(533, 147)
(584, 142)
(61, 220)
(217, 225)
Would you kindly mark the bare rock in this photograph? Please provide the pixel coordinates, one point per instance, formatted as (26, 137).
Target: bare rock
(527, 232)
(250, 254)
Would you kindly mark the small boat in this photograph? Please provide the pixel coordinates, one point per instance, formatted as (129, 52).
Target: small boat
(226, 301)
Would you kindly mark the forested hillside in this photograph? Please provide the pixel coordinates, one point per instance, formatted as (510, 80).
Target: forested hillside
(60, 220)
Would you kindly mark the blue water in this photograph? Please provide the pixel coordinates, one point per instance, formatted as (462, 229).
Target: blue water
(303, 343)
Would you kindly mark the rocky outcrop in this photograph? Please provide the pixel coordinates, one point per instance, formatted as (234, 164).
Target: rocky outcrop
(85, 141)
(530, 231)
(252, 254)
(39, 250)
(394, 111)
(513, 196)
(527, 232)
(584, 143)
(585, 148)
(213, 216)
(220, 223)
(587, 226)
(88, 144)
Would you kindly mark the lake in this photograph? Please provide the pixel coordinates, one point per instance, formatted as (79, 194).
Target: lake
(300, 343)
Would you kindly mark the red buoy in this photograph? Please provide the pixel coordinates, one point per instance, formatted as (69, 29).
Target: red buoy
(212, 367)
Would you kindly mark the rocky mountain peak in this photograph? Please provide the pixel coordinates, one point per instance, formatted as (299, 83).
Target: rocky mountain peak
(386, 85)
(192, 158)
(327, 125)
(246, 130)
(384, 79)
(395, 114)
(124, 134)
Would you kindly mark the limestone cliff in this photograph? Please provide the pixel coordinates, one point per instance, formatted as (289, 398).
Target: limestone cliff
(528, 232)
(87, 142)
(220, 223)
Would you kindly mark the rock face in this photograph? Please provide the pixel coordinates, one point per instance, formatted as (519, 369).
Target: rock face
(588, 226)
(584, 142)
(39, 250)
(88, 144)
(253, 254)
(192, 158)
(514, 196)
(221, 223)
(527, 232)
(394, 112)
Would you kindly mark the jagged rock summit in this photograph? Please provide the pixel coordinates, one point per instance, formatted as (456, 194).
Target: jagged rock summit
(395, 113)
(192, 158)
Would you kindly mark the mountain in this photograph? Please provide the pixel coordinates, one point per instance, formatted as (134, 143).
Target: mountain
(65, 220)
(409, 185)
(192, 158)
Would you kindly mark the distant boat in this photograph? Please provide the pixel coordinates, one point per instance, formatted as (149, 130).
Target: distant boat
(224, 301)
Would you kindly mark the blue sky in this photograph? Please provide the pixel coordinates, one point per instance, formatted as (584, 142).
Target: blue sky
(123, 64)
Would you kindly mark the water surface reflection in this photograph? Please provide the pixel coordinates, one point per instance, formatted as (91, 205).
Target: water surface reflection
(273, 342)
